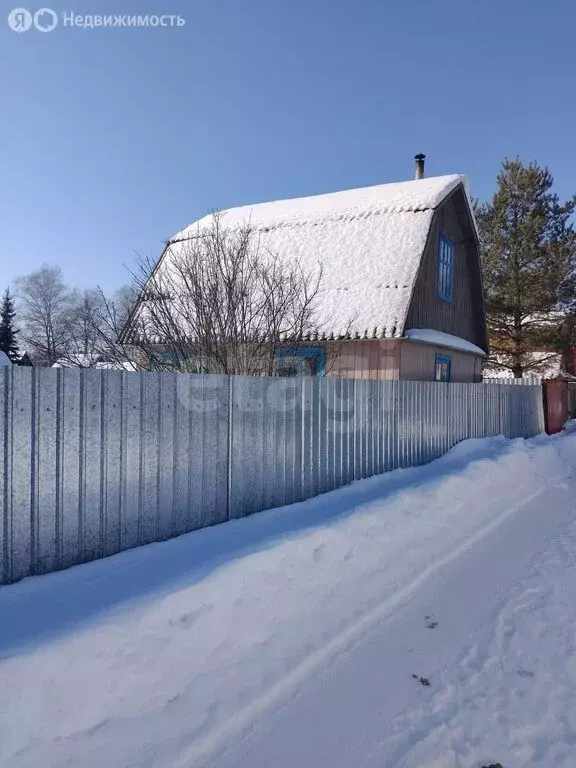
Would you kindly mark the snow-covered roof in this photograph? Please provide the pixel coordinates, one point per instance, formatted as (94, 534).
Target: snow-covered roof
(118, 365)
(77, 360)
(87, 360)
(440, 339)
(369, 241)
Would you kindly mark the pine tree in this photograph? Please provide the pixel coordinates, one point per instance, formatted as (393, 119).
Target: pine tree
(8, 332)
(528, 249)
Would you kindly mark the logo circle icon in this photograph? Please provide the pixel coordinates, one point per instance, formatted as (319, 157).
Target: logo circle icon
(45, 20)
(19, 20)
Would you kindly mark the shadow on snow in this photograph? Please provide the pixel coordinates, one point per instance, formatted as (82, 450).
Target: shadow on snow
(42, 608)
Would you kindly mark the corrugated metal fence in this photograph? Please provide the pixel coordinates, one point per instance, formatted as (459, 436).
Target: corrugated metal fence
(95, 462)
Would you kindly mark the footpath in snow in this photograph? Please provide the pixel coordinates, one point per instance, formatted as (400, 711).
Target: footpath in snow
(422, 618)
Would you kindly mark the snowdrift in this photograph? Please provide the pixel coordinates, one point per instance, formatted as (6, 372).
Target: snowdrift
(167, 655)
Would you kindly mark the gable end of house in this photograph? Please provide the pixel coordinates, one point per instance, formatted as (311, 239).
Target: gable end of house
(447, 293)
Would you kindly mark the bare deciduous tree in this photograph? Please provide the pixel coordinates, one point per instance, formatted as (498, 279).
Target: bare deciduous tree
(114, 313)
(86, 323)
(45, 304)
(219, 302)
(124, 301)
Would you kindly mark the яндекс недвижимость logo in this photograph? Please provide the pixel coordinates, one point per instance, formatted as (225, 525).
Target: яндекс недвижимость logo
(45, 20)
(21, 20)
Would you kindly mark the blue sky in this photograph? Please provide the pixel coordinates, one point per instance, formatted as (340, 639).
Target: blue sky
(114, 139)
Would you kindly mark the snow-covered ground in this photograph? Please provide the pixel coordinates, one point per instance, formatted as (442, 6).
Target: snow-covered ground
(422, 618)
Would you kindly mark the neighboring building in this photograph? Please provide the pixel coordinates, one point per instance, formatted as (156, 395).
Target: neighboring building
(31, 360)
(79, 360)
(402, 293)
(97, 361)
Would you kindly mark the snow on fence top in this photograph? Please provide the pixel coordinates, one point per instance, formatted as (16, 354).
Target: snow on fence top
(509, 380)
(369, 242)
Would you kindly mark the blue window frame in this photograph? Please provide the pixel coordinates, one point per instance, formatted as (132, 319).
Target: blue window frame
(300, 361)
(445, 269)
(443, 368)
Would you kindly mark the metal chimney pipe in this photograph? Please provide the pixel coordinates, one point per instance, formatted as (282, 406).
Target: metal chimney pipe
(419, 166)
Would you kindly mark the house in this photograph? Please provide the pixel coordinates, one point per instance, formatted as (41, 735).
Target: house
(31, 360)
(96, 360)
(78, 360)
(401, 290)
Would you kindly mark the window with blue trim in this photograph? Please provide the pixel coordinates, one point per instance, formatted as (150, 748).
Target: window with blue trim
(445, 269)
(299, 361)
(443, 369)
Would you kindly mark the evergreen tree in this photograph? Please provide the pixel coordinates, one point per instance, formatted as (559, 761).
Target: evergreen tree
(528, 250)
(8, 342)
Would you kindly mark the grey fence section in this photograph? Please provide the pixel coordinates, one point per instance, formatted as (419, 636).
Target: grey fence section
(96, 462)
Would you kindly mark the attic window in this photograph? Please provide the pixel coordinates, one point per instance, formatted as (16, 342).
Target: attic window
(445, 269)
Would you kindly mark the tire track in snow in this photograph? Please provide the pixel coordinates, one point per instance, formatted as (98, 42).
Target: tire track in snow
(216, 739)
(444, 729)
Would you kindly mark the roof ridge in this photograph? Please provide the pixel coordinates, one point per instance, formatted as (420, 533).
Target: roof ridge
(412, 196)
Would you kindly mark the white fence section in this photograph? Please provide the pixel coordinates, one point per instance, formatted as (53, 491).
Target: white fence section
(95, 462)
(530, 381)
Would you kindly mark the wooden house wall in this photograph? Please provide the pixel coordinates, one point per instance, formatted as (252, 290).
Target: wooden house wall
(418, 363)
(392, 359)
(396, 359)
(464, 315)
(362, 358)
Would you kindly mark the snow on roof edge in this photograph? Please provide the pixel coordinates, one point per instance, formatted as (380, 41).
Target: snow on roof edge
(441, 339)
